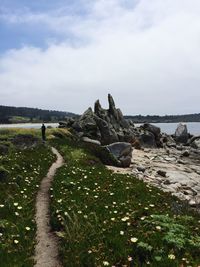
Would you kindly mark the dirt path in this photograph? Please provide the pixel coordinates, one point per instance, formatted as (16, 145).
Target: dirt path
(46, 251)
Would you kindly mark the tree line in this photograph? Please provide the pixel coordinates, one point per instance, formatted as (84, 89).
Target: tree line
(9, 114)
(165, 119)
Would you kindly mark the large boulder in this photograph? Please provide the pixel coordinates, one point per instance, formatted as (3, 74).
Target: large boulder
(152, 129)
(122, 151)
(181, 133)
(155, 131)
(147, 140)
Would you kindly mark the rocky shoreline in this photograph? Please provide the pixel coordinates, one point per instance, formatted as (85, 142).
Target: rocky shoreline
(169, 170)
(169, 162)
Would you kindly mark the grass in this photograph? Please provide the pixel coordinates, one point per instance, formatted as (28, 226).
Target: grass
(102, 218)
(107, 219)
(22, 171)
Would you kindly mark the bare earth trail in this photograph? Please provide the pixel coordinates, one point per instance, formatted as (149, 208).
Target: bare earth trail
(46, 251)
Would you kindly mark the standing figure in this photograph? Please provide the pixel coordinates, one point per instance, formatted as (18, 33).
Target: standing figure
(43, 129)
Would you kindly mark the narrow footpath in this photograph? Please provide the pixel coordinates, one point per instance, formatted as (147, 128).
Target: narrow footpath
(46, 251)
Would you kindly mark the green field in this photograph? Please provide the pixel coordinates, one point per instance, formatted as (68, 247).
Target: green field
(102, 218)
(21, 172)
(107, 219)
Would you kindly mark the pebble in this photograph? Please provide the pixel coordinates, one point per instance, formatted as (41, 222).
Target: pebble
(161, 173)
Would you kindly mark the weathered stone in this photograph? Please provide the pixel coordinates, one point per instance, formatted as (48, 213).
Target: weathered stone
(167, 182)
(67, 123)
(147, 140)
(108, 134)
(109, 126)
(121, 151)
(161, 173)
(195, 142)
(180, 161)
(125, 161)
(181, 133)
(193, 203)
(152, 129)
(141, 168)
(185, 153)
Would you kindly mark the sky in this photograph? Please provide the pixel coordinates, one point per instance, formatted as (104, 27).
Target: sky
(65, 54)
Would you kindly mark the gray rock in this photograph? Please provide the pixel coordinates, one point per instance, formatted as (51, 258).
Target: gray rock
(109, 126)
(181, 133)
(147, 140)
(141, 168)
(195, 142)
(108, 134)
(181, 161)
(180, 148)
(121, 151)
(193, 203)
(161, 173)
(152, 129)
(167, 182)
(125, 161)
(67, 123)
(185, 153)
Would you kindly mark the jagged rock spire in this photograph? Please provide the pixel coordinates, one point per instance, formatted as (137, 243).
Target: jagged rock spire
(111, 102)
(97, 107)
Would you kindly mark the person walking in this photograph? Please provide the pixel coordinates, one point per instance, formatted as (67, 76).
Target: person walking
(43, 129)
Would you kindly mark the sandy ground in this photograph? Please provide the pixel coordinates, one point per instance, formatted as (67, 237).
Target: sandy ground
(46, 251)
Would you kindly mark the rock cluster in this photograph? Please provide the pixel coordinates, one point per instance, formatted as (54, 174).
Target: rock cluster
(109, 126)
(103, 127)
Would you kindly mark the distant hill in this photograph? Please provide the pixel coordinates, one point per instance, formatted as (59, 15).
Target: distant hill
(9, 114)
(165, 119)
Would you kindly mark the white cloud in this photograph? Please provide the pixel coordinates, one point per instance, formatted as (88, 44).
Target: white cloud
(147, 56)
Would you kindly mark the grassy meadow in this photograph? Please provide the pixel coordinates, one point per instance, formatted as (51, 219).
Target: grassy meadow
(107, 219)
(20, 174)
(101, 218)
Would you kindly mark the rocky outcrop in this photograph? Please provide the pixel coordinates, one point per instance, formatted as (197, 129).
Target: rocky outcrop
(109, 126)
(105, 125)
(122, 152)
